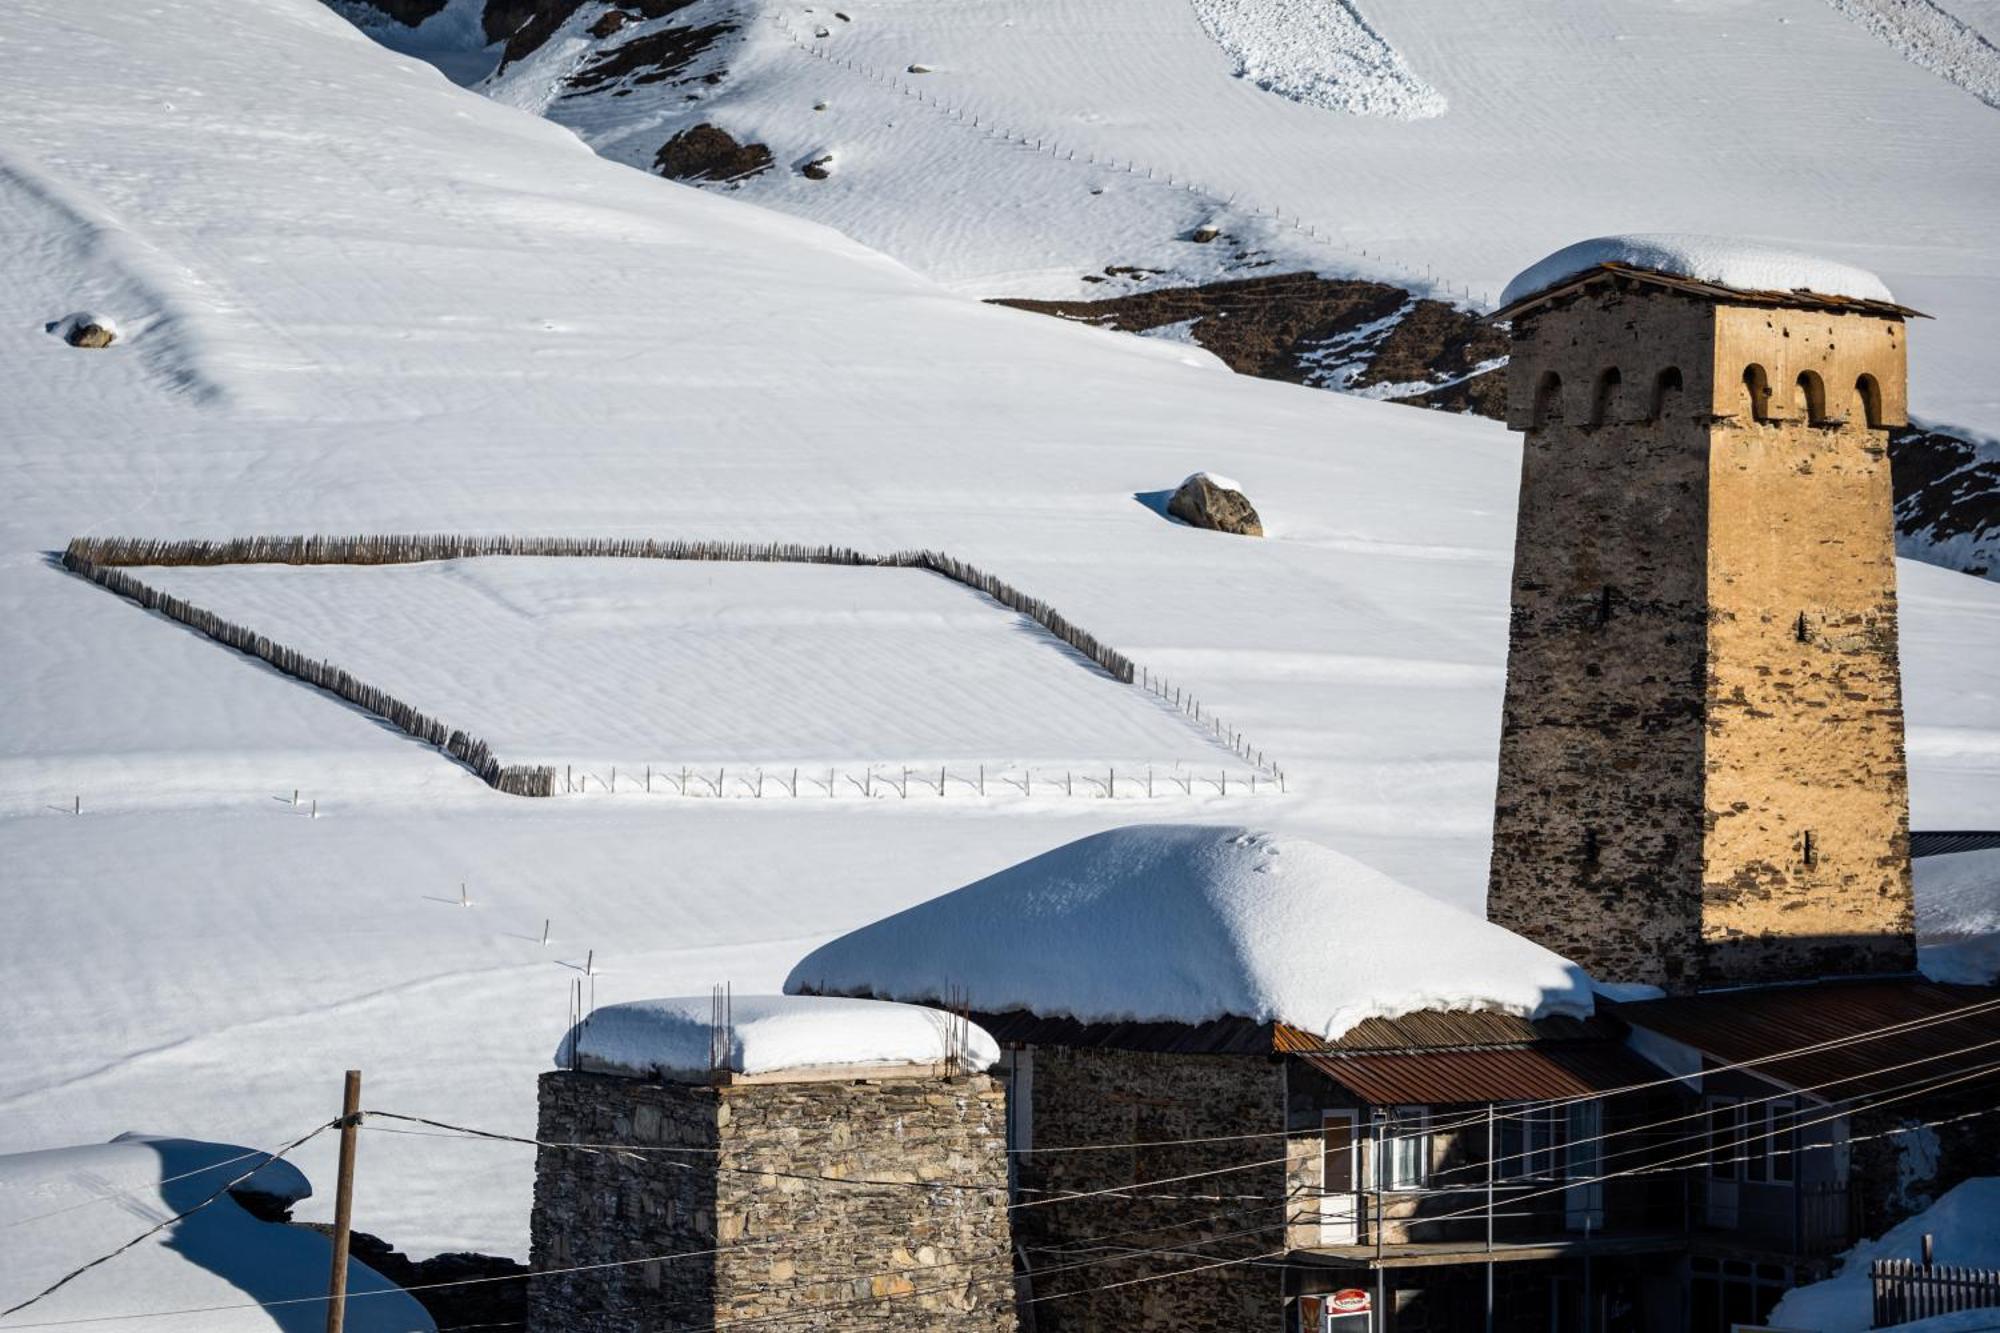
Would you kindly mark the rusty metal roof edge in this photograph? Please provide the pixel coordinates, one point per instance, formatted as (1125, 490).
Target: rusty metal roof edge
(1800, 297)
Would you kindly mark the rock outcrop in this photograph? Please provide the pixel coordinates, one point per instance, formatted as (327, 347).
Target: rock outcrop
(710, 153)
(1216, 503)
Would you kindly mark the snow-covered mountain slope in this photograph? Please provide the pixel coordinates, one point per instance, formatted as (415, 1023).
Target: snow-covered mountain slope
(1190, 167)
(1035, 143)
(357, 298)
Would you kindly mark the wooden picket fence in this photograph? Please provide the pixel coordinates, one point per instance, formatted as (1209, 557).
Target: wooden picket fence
(102, 561)
(1906, 1290)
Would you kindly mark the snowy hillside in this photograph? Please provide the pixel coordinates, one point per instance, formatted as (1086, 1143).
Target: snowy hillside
(1010, 148)
(1122, 151)
(355, 298)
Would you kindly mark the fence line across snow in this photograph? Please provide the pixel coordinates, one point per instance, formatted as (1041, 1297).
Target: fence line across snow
(99, 559)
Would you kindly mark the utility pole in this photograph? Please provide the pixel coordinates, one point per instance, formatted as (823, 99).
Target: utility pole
(343, 1204)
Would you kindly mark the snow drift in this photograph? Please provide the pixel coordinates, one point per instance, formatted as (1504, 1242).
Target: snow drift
(1966, 1225)
(1178, 923)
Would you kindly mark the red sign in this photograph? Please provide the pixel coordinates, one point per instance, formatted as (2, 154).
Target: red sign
(1349, 1300)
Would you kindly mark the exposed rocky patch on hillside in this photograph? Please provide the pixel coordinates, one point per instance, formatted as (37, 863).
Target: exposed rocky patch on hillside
(1948, 498)
(1371, 338)
(1376, 339)
(709, 153)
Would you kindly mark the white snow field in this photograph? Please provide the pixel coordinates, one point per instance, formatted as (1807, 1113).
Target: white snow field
(359, 299)
(621, 663)
(61, 1206)
(1182, 923)
(1050, 138)
(771, 1034)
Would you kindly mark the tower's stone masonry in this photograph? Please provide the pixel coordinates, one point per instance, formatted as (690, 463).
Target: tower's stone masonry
(1702, 777)
(760, 1234)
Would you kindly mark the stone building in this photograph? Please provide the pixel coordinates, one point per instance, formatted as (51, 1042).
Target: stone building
(839, 1163)
(1702, 775)
(1246, 1073)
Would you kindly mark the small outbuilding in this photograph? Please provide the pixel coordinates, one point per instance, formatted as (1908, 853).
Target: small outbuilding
(838, 1162)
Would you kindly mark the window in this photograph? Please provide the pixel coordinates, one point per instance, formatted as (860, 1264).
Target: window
(1666, 392)
(1406, 1148)
(1725, 1139)
(1548, 398)
(1757, 388)
(1604, 403)
(1869, 395)
(1783, 1141)
(1812, 397)
(1528, 1143)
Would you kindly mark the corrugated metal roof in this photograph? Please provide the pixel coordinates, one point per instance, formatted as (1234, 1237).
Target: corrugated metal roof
(1957, 840)
(1707, 290)
(1433, 1028)
(1738, 1025)
(1506, 1074)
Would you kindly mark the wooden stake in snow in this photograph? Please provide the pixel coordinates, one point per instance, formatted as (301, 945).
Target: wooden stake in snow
(295, 798)
(463, 900)
(315, 809)
(590, 963)
(545, 932)
(343, 1203)
(77, 807)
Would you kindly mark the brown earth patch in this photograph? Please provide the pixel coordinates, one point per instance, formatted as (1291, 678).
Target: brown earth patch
(710, 153)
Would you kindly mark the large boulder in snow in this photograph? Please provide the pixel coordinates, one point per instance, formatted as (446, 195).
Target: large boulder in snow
(710, 153)
(1205, 500)
(1190, 923)
(86, 330)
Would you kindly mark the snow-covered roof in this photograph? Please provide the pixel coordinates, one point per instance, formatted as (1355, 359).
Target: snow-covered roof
(1185, 923)
(768, 1034)
(1725, 261)
(60, 1207)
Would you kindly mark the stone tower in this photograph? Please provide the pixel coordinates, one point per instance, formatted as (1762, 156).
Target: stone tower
(1702, 778)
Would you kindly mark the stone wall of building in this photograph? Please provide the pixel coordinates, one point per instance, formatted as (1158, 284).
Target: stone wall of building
(1806, 860)
(1192, 1218)
(910, 1231)
(1597, 830)
(1702, 655)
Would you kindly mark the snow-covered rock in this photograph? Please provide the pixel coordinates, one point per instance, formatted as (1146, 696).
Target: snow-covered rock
(84, 329)
(1965, 1225)
(1179, 923)
(1744, 265)
(768, 1034)
(63, 1207)
(1206, 500)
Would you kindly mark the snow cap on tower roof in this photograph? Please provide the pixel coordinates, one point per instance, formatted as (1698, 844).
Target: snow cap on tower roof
(1748, 266)
(1186, 923)
(769, 1034)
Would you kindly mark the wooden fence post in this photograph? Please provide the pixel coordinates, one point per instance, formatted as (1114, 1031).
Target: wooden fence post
(343, 1203)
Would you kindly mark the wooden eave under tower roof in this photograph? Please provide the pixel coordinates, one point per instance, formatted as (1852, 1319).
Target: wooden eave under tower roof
(1627, 275)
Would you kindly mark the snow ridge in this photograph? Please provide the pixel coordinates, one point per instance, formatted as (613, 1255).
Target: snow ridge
(1932, 39)
(1319, 53)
